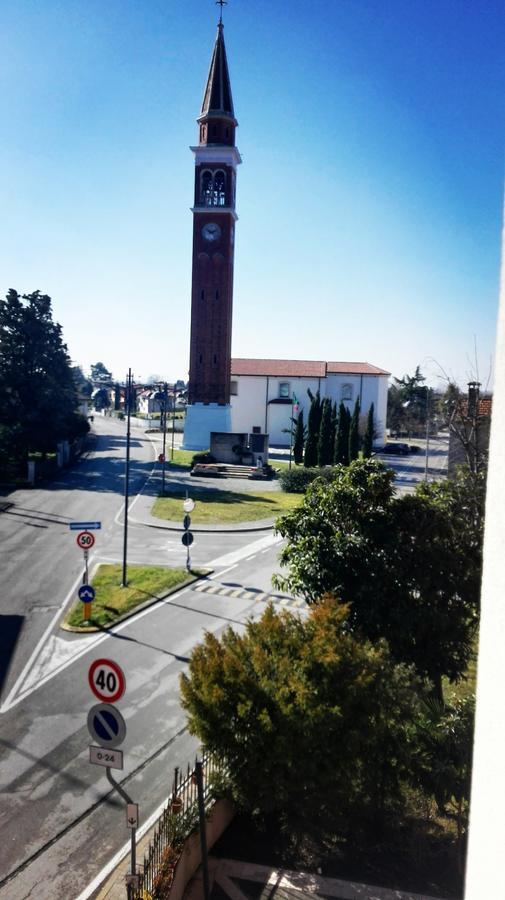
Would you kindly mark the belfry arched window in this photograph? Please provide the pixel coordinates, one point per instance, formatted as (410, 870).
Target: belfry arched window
(219, 189)
(213, 188)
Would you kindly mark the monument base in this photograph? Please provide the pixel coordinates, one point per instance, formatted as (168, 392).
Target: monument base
(201, 419)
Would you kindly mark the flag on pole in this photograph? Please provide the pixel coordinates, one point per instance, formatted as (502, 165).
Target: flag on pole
(296, 405)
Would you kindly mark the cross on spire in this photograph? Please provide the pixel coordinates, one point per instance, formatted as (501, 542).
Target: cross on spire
(221, 3)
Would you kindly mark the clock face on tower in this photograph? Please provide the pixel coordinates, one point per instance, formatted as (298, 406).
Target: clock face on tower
(211, 232)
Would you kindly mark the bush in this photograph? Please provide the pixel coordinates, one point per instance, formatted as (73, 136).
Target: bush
(202, 457)
(296, 481)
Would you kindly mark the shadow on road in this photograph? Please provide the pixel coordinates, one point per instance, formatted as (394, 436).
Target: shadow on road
(10, 631)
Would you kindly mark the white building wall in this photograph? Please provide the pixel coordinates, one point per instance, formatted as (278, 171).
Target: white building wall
(251, 407)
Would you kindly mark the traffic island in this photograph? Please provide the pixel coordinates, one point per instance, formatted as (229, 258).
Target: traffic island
(113, 603)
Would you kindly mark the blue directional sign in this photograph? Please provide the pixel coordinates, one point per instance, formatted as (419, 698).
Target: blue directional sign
(86, 593)
(84, 526)
(106, 725)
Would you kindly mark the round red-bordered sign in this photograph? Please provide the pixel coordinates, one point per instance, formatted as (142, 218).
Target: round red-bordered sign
(106, 680)
(85, 540)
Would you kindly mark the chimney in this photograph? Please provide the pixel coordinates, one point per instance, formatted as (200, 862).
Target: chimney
(473, 398)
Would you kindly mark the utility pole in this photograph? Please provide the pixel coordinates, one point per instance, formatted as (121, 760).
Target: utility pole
(165, 388)
(124, 580)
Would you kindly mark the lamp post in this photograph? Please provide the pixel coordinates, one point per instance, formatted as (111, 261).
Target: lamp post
(164, 424)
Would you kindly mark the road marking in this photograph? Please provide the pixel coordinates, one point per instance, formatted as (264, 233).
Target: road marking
(237, 555)
(60, 666)
(36, 652)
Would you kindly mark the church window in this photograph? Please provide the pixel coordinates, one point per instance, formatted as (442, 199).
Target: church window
(217, 295)
(200, 358)
(202, 295)
(233, 388)
(213, 188)
(215, 359)
(346, 392)
(219, 198)
(284, 390)
(206, 192)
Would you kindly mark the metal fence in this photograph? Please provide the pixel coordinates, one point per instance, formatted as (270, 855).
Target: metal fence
(177, 821)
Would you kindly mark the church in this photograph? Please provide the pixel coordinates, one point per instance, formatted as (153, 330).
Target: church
(249, 396)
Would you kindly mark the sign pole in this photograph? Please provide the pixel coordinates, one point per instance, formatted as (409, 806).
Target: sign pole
(127, 476)
(165, 387)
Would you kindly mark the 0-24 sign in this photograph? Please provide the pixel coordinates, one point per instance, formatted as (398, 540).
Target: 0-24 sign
(106, 680)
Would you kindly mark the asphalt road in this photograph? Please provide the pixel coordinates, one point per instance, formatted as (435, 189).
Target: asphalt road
(59, 821)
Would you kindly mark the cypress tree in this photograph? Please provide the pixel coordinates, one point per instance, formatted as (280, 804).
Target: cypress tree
(117, 396)
(324, 448)
(354, 433)
(299, 439)
(310, 456)
(333, 431)
(369, 434)
(342, 439)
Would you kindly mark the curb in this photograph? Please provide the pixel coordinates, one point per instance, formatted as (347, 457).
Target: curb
(205, 529)
(94, 629)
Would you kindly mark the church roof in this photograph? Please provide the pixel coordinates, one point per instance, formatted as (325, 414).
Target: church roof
(301, 368)
(217, 99)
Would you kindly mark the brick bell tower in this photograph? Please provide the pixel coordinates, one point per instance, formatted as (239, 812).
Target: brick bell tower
(214, 217)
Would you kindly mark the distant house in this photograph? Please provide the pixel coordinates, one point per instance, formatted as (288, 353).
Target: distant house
(149, 402)
(264, 392)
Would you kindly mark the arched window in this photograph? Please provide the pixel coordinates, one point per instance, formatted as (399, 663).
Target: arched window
(213, 188)
(206, 192)
(219, 189)
(346, 392)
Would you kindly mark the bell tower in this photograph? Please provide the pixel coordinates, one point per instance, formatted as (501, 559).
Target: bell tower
(214, 217)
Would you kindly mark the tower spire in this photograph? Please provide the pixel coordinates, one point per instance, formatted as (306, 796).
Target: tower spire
(221, 3)
(217, 99)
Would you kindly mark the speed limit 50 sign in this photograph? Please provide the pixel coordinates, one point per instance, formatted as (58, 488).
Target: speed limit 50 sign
(106, 680)
(85, 540)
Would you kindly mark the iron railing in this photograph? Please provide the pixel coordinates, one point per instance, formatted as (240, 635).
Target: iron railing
(177, 821)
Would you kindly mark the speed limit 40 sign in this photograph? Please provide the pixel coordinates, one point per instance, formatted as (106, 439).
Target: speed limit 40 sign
(85, 540)
(106, 680)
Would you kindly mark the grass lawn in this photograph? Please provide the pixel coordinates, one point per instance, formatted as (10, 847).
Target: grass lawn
(112, 600)
(213, 506)
(182, 459)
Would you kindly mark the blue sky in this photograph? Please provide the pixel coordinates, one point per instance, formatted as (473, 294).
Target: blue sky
(369, 201)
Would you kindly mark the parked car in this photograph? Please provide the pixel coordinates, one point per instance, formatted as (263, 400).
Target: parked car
(396, 448)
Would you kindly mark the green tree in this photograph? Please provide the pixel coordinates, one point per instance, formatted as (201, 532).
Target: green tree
(117, 396)
(82, 384)
(409, 403)
(342, 438)
(354, 433)
(299, 439)
(409, 567)
(333, 433)
(369, 434)
(99, 372)
(324, 445)
(38, 397)
(101, 399)
(313, 424)
(316, 725)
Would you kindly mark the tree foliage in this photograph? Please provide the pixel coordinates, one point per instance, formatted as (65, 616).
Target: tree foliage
(38, 396)
(314, 723)
(101, 399)
(299, 439)
(313, 424)
(99, 372)
(410, 402)
(369, 434)
(354, 432)
(341, 455)
(409, 567)
(324, 446)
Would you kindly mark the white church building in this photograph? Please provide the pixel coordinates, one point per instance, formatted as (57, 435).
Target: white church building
(264, 392)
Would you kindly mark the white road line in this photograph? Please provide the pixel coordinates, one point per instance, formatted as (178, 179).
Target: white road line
(223, 571)
(99, 640)
(120, 855)
(237, 555)
(21, 678)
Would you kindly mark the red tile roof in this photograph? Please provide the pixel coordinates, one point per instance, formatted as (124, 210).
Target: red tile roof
(301, 368)
(354, 368)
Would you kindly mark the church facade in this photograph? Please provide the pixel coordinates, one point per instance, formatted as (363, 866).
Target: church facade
(266, 393)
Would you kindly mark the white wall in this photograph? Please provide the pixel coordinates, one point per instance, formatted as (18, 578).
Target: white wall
(251, 408)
